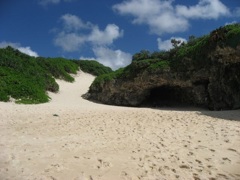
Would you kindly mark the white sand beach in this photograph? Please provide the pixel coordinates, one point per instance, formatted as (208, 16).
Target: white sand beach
(70, 138)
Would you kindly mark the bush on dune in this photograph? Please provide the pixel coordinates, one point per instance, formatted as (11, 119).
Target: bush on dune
(93, 67)
(27, 79)
(59, 67)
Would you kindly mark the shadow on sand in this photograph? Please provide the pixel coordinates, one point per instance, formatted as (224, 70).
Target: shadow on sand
(233, 115)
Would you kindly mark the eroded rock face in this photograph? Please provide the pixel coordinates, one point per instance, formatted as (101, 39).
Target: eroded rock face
(215, 86)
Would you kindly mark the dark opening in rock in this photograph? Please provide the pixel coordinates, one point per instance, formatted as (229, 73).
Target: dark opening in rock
(166, 96)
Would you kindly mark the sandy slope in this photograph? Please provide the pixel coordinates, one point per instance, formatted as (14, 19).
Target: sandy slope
(71, 138)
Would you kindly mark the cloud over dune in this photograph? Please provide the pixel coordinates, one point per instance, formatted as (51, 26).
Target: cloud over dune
(112, 58)
(76, 33)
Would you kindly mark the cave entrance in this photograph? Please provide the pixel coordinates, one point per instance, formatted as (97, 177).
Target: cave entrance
(165, 96)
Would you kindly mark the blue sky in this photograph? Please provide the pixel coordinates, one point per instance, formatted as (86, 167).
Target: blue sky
(110, 31)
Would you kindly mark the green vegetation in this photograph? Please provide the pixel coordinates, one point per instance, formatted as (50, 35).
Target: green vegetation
(27, 78)
(93, 67)
(196, 52)
(131, 70)
(159, 65)
(22, 87)
(58, 67)
(142, 55)
(109, 76)
(191, 55)
(233, 35)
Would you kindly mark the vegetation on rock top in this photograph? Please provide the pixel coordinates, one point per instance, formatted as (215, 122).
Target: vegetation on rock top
(203, 72)
(193, 53)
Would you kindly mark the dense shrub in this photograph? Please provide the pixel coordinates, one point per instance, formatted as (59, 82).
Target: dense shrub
(27, 78)
(131, 70)
(233, 35)
(59, 67)
(21, 87)
(143, 54)
(109, 76)
(93, 67)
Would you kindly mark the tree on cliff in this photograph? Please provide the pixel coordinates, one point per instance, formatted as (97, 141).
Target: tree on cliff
(143, 54)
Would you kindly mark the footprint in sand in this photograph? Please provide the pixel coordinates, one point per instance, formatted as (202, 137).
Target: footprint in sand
(233, 150)
(195, 176)
(226, 141)
(101, 164)
(226, 159)
(190, 153)
(54, 168)
(198, 161)
(184, 166)
(124, 175)
(83, 176)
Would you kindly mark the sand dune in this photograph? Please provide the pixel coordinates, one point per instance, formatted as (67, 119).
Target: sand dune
(74, 139)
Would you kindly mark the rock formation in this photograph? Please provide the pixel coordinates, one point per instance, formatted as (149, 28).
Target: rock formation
(203, 73)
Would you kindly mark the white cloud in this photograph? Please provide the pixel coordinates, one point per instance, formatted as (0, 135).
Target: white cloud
(158, 15)
(105, 37)
(5, 44)
(112, 58)
(163, 17)
(73, 23)
(167, 45)
(76, 33)
(205, 9)
(168, 23)
(71, 37)
(26, 50)
(69, 41)
(87, 58)
(228, 23)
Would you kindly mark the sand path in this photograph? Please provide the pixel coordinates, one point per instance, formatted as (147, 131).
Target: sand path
(71, 138)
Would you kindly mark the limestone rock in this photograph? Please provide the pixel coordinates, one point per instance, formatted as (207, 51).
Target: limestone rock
(212, 81)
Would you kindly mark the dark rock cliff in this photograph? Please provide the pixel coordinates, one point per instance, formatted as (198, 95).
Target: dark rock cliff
(205, 73)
